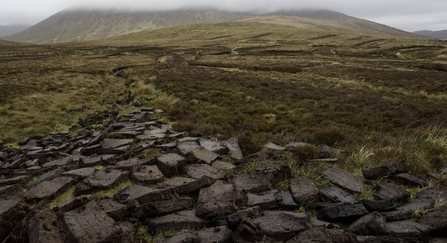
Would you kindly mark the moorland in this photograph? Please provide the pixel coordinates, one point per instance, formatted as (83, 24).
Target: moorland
(381, 97)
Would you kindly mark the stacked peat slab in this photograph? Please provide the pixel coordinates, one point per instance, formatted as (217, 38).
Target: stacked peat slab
(197, 189)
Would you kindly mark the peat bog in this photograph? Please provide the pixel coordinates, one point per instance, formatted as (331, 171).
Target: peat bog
(382, 98)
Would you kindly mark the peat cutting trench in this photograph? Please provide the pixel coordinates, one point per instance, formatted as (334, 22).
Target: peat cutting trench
(198, 189)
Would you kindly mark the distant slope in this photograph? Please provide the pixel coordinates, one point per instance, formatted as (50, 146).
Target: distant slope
(440, 34)
(81, 25)
(11, 29)
(329, 20)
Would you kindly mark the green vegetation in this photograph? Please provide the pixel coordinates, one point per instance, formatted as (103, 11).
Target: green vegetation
(150, 153)
(144, 235)
(109, 193)
(65, 196)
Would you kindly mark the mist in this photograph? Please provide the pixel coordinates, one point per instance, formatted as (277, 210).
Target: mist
(408, 15)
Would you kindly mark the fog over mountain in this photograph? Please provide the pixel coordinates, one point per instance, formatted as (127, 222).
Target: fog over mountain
(409, 15)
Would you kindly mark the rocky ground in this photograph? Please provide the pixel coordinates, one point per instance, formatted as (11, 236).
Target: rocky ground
(196, 190)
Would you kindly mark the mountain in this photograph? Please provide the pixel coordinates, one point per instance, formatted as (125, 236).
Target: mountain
(328, 20)
(440, 34)
(11, 29)
(82, 25)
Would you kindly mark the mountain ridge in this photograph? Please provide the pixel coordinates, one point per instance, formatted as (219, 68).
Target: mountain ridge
(6, 30)
(439, 34)
(82, 25)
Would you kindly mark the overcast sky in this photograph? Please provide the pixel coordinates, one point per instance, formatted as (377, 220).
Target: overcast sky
(407, 15)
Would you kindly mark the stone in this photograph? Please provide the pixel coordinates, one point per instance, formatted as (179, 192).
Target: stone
(170, 145)
(407, 230)
(198, 171)
(303, 190)
(214, 145)
(335, 194)
(130, 163)
(323, 235)
(252, 182)
(264, 177)
(187, 185)
(143, 147)
(219, 234)
(436, 221)
(379, 205)
(343, 179)
(147, 174)
(342, 213)
(23, 179)
(90, 150)
(417, 203)
(100, 180)
(108, 143)
(114, 210)
(184, 236)
(390, 191)
(216, 199)
(31, 163)
(152, 209)
(80, 173)
(44, 227)
(15, 164)
(325, 152)
(220, 165)
(59, 162)
(90, 161)
(73, 203)
(273, 146)
(397, 215)
(32, 144)
(150, 136)
(187, 147)
(234, 219)
(235, 151)
(143, 194)
(188, 139)
(204, 155)
(99, 137)
(384, 170)
(12, 211)
(115, 151)
(278, 225)
(9, 190)
(265, 200)
(128, 231)
(287, 202)
(370, 224)
(171, 164)
(48, 189)
(320, 223)
(438, 193)
(90, 224)
(408, 180)
(49, 175)
(176, 221)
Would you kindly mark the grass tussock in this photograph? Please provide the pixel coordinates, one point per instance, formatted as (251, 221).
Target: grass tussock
(65, 196)
(109, 193)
